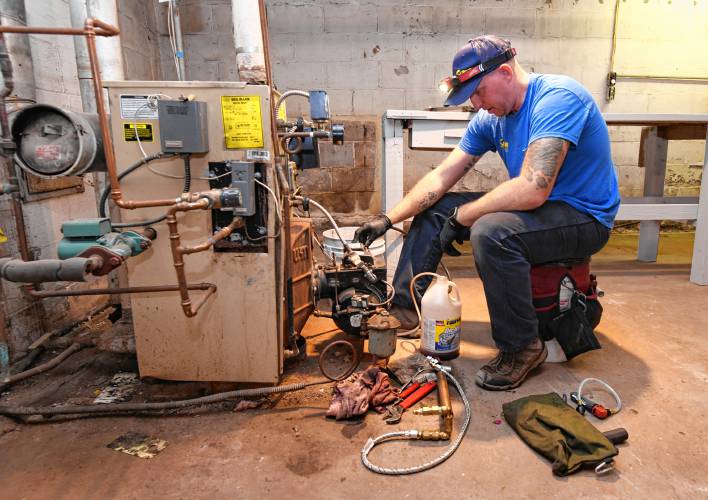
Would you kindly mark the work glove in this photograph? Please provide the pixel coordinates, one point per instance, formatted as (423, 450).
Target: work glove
(373, 229)
(452, 231)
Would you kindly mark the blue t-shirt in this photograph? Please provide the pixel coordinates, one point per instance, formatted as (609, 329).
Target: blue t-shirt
(555, 106)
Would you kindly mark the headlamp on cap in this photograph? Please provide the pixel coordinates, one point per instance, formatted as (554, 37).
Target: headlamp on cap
(450, 83)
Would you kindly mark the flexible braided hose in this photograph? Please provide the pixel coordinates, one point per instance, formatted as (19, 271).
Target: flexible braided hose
(413, 434)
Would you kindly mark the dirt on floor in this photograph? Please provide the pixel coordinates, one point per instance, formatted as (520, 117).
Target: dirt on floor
(654, 354)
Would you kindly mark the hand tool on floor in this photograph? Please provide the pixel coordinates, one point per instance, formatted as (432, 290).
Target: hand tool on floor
(410, 396)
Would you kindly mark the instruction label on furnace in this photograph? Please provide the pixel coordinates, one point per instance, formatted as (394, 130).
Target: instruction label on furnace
(133, 107)
(144, 132)
(243, 123)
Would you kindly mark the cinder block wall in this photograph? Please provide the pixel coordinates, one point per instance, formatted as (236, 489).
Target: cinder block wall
(390, 54)
(56, 82)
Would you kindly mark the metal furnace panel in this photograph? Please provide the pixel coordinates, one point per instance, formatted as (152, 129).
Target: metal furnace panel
(237, 335)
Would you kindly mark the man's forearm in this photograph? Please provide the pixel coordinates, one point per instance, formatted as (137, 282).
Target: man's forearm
(424, 194)
(433, 185)
(529, 190)
(513, 194)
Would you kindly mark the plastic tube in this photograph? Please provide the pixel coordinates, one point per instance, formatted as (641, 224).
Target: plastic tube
(607, 387)
(415, 302)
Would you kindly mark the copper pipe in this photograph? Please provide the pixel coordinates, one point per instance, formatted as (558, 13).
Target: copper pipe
(114, 291)
(219, 235)
(92, 28)
(178, 250)
(443, 409)
(38, 30)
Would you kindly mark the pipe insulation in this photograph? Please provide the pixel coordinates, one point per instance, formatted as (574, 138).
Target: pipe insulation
(41, 271)
(250, 59)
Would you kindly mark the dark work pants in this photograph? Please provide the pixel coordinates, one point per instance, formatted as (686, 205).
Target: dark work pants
(505, 246)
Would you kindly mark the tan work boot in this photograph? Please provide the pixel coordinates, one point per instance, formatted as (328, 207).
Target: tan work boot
(408, 319)
(509, 369)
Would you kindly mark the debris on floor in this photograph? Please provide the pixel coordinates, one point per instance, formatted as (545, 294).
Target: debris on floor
(248, 404)
(139, 445)
(7, 425)
(121, 388)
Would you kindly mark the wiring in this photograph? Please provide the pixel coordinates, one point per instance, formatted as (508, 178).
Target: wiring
(171, 33)
(152, 104)
(275, 199)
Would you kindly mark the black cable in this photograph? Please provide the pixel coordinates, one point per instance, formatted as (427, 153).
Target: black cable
(187, 173)
(104, 195)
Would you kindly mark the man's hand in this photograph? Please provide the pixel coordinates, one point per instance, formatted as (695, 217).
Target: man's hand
(373, 229)
(452, 231)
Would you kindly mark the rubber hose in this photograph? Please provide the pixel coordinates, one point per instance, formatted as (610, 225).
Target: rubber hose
(413, 434)
(119, 408)
(43, 367)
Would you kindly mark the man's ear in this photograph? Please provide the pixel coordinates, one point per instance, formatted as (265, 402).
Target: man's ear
(506, 71)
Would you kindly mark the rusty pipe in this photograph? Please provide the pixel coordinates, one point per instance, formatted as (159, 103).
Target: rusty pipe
(8, 85)
(114, 291)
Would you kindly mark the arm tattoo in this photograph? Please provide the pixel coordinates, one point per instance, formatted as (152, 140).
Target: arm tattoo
(543, 160)
(427, 201)
(470, 164)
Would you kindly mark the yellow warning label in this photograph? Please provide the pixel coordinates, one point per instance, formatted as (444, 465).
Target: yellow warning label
(243, 123)
(144, 131)
(282, 112)
(3, 238)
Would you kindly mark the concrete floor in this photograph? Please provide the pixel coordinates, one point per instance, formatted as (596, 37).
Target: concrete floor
(654, 353)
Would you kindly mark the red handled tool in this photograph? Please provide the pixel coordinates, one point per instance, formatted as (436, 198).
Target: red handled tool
(414, 393)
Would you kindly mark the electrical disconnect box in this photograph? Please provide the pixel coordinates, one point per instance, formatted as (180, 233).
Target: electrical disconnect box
(242, 179)
(183, 126)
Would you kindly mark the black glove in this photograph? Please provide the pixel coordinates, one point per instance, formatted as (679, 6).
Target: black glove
(373, 229)
(453, 231)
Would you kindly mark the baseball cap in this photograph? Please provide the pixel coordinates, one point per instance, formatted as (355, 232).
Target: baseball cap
(472, 61)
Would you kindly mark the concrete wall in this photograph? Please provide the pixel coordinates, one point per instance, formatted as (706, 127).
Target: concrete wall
(56, 83)
(390, 54)
(137, 20)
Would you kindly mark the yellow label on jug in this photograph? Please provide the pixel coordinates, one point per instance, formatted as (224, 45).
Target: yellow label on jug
(243, 123)
(441, 335)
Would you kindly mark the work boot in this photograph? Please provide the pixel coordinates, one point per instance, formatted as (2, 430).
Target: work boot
(408, 319)
(509, 369)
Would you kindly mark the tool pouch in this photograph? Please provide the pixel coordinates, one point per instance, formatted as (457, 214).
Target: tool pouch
(567, 307)
(552, 428)
(573, 330)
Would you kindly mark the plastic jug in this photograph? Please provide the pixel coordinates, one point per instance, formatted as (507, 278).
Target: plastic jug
(441, 311)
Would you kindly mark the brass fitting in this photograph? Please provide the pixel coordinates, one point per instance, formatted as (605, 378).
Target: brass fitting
(432, 410)
(443, 409)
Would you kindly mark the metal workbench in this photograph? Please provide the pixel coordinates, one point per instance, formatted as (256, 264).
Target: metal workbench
(442, 130)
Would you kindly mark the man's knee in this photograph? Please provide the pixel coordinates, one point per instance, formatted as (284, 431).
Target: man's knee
(488, 230)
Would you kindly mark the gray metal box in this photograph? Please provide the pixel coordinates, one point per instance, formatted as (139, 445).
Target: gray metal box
(183, 126)
(242, 178)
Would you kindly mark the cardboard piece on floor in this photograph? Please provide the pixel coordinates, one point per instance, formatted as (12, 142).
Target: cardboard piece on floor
(138, 445)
